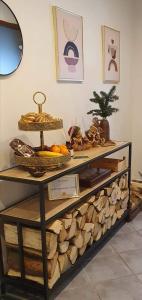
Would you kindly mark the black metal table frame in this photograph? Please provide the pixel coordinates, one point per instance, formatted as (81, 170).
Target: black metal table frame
(81, 261)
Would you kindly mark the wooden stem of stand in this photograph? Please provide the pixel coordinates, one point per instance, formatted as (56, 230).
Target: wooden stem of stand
(41, 132)
(41, 140)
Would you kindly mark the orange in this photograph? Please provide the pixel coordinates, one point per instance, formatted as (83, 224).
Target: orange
(55, 148)
(63, 146)
(64, 150)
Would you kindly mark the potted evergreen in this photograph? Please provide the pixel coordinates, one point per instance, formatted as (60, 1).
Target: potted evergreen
(105, 109)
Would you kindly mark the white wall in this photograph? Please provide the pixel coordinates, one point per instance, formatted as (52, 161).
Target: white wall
(136, 96)
(37, 70)
(6, 14)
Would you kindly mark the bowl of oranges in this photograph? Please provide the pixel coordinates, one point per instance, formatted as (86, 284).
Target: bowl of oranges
(47, 158)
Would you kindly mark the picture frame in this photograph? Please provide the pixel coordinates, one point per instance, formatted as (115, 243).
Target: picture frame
(111, 54)
(63, 188)
(68, 29)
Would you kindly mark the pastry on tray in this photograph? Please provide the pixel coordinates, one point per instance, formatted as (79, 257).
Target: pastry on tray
(39, 121)
(33, 117)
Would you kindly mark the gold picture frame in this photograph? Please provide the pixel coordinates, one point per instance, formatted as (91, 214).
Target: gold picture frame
(111, 54)
(68, 29)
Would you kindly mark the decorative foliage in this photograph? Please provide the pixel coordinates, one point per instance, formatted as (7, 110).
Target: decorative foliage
(104, 101)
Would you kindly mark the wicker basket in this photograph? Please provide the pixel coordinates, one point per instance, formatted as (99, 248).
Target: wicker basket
(56, 124)
(45, 162)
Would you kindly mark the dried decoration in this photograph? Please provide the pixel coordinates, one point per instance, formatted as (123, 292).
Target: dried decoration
(94, 133)
(92, 136)
(78, 142)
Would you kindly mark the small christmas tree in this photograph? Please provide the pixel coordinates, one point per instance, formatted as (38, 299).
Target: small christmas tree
(104, 101)
(105, 109)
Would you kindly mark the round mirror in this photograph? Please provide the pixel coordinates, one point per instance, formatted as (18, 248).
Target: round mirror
(11, 42)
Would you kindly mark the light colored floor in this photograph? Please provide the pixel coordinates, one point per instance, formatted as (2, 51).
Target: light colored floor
(115, 273)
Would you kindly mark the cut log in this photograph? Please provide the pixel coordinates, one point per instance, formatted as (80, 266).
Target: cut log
(114, 185)
(94, 217)
(72, 253)
(68, 215)
(108, 191)
(82, 250)
(91, 241)
(55, 277)
(78, 220)
(120, 213)
(118, 205)
(97, 228)
(107, 210)
(55, 226)
(124, 194)
(102, 216)
(114, 196)
(72, 230)
(104, 228)
(122, 183)
(78, 240)
(100, 193)
(126, 182)
(114, 218)
(88, 227)
(82, 209)
(112, 210)
(89, 213)
(100, 203)
(108, 223)
(91, 200)
(63, 247)
(31, 239)
(67, 223)
(51, 241)
(64, 263)
(97, 202)
(110, 200)
(124, 203)
(83, 222)
(62, 235)
(32, 263)
(99, 234)
(75, 213)
(86, 237)
(118, 193)
(51, 265)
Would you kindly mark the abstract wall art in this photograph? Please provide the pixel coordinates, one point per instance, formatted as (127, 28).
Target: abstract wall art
(111, 54)
(69, 45)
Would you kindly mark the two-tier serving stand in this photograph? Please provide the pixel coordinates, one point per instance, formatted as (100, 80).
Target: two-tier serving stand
(44, 163)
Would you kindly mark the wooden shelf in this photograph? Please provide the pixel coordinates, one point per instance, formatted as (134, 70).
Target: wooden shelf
(18, 175)
(31, 216)
(29, 208)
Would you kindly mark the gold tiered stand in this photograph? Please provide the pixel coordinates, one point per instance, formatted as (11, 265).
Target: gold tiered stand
(53, 124)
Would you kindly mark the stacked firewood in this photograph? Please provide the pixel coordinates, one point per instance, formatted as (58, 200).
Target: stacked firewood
(67, 238)
(136, 194)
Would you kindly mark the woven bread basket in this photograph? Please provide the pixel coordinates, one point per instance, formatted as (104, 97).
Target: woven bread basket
(45, 162)
(37, 126)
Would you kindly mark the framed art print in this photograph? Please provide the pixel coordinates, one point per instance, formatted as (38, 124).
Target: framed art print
(69, 45)
(63, 188)
(111, 54)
